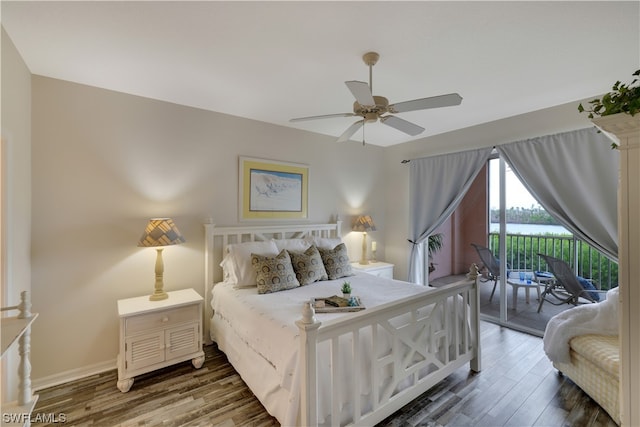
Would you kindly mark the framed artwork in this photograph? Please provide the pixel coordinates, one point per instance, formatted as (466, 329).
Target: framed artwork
(273, 190)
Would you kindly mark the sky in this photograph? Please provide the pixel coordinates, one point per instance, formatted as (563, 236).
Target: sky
(517, 194)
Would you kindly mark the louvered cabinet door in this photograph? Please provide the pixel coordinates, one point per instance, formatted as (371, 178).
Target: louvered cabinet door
(155, 334)
(182, 341)
(145, 350)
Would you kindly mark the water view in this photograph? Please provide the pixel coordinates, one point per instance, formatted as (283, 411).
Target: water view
(530, 229)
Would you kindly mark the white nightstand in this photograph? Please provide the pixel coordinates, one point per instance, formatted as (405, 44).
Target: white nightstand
(155, 334)
(379, 268)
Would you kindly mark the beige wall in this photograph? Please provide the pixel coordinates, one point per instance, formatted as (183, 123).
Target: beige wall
(15, 266)
(104, 162)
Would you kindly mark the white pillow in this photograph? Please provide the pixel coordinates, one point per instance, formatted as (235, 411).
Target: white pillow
(237, 262)
(292, 245)
(324, 242)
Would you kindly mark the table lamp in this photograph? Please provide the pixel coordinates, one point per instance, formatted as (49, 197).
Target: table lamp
(160, 232)
(364, 223)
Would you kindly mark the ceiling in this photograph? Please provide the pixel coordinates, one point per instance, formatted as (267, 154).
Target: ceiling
(273, 61)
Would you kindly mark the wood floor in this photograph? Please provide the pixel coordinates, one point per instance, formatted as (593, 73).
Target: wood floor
(517, 387)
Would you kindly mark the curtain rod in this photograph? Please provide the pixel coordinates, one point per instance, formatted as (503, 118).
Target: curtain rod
(405, 161)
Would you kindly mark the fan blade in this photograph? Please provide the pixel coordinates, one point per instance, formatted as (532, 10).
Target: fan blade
(361, 92)
(350, 131)
(425, 103)
(402, 125)
(326, 116)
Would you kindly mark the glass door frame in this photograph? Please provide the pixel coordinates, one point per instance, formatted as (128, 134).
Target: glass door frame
(503, 320)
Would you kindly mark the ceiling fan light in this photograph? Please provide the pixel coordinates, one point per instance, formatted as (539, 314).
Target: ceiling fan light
(370, 117)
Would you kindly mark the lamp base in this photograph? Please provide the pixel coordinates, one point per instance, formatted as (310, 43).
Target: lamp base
(363, 259)
(158, 296)
(158, 288)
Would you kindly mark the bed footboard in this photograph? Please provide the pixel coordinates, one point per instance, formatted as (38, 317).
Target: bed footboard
(395, 353)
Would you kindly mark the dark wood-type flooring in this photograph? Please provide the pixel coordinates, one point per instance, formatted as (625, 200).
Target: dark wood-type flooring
(517, 387)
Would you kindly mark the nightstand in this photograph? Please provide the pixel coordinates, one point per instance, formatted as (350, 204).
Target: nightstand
(378, 268)
(155, 334)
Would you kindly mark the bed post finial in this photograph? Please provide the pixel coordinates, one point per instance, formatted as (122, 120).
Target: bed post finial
(474, 272)
(308, 314)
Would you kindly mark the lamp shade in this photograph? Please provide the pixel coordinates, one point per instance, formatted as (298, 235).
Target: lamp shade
(364, 223)
(161, 232)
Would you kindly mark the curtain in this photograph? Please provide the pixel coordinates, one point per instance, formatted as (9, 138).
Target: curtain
(574, 176)
(436, 187)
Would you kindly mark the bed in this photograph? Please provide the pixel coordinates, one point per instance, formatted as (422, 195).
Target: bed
(583, 344)
(337, 368)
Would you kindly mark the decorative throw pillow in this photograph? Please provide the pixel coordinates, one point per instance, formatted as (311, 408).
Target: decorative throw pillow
(324, 242)
(588, 286)
(336, 262)
(308, 266)
(274, 274)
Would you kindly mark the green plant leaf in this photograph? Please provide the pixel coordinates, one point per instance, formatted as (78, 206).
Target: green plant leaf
(622, 99)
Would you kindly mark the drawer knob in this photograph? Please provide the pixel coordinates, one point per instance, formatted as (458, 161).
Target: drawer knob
(165, 319)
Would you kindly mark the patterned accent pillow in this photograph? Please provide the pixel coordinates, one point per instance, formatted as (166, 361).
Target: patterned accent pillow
(274, 273)
(336, 261)
(308, 266)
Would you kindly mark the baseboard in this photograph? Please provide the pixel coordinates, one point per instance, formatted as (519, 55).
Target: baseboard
(73, 374)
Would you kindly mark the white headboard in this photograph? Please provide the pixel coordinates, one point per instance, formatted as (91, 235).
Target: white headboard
(217, 239)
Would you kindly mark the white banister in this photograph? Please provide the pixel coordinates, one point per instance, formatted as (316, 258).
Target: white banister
(18, 328)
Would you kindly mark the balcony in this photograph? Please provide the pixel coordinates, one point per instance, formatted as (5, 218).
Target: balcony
(523, 250)
(522, 254)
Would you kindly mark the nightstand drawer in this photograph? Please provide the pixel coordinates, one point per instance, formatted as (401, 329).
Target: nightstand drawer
(175, 316)
(377, 268)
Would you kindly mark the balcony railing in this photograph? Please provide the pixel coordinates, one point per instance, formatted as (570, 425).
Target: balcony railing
(523, 250)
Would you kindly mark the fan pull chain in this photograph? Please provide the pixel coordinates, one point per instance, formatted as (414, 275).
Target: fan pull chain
(363, 123)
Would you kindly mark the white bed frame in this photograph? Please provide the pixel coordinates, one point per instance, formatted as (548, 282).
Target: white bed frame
(438, 344)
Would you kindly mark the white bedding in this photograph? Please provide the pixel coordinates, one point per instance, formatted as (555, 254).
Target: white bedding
(267, 326)
(600, 318)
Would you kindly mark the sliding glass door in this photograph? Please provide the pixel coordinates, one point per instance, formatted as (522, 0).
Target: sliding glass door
(519, 228)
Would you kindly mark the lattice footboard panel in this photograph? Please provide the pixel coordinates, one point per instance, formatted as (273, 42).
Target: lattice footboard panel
(363, 370)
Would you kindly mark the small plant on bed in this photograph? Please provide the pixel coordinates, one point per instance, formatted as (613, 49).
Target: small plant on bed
(346, 289)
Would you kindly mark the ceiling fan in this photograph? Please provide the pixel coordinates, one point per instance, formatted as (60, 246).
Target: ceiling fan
(371, 108)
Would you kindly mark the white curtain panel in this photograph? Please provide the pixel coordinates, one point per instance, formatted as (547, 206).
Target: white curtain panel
(574, 176)
(436, 187)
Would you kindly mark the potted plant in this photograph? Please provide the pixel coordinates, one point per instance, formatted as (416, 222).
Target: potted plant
(434, 244)
(623, 99)
(346, 290)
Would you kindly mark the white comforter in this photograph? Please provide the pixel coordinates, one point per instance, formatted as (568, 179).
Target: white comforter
(600, 318)
(270, 328)
(267, 324)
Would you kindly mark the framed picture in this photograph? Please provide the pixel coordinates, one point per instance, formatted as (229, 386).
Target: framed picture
(273, 190)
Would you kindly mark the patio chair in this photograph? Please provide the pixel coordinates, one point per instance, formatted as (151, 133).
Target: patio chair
(491, 263)
(566, 289)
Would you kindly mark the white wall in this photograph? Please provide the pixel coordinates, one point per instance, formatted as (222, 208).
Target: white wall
(543, 122)
(104, 162)
(15, 169)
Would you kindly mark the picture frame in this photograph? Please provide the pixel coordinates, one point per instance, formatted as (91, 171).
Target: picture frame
(270, 189)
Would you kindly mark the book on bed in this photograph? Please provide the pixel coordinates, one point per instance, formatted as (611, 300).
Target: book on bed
(336, 303)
